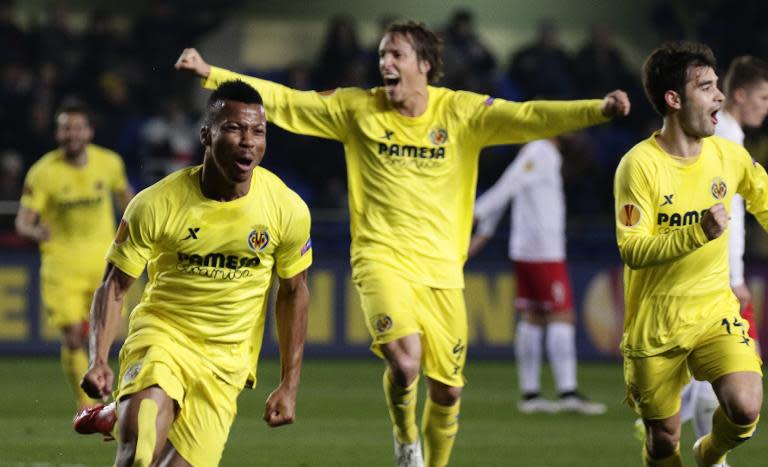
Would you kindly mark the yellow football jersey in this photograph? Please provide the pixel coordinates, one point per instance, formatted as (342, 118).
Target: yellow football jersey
(76, 203)
(210, 263)
(671, 271)
(412, 181)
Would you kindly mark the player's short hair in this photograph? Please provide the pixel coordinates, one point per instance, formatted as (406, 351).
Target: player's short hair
(744, 72)
(666, 69)
(72, 105)
(427, 45)
(235, 90)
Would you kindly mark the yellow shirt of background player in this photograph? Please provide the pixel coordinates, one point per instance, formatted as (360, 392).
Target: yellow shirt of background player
(673, 276)
(76, 203)
(210, 263)
(412, 181)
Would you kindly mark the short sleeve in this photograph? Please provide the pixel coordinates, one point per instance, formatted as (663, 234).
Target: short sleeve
(294, 252)
(33, 194)
(134, 241)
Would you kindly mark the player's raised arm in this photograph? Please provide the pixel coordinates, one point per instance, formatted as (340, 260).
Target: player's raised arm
(105, 323)
(291, 316)
(191, 61)
(616, 104)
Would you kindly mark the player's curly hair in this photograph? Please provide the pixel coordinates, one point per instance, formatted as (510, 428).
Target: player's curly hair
(744, 71)
(427, 45)
(235, 90)
(666, 69)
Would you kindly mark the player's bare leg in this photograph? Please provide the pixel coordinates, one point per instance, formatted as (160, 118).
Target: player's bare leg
(74, 360)
(144, 420)
(741, 396)
(662, 442)
(400, 382)
(440, 422)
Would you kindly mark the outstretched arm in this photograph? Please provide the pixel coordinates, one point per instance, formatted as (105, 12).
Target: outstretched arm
(291, 316)
(105, 323)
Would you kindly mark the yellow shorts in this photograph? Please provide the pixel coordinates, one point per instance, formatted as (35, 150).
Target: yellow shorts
(65, 303)
(654, 383)
(395, 307)
(207, 404)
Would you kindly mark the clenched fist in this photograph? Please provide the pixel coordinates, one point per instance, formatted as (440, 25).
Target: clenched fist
(190, 60)
(714, 221)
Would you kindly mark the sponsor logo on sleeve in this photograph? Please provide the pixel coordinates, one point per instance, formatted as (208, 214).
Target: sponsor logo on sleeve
(122, 232)
(629, 215)
(307, 246)
(489, 101)
(382, 323)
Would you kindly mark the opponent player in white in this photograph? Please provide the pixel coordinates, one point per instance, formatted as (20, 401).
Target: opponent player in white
(533, 185)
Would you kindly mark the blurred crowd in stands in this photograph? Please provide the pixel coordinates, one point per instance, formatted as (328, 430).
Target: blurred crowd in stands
(141, 107)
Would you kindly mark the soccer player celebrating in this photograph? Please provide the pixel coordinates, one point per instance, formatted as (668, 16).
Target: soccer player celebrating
(533, 185)
(671, 193)
(67, 208)
(412, 156)
(746, 106)
(210, 237)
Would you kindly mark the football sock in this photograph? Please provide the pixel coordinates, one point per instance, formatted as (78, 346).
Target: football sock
(725, 436)
(670, 461)
(704, 404)
(528, 354)
(561, 353)
(146, 438)
(440, 424)
(401, 403)
(75, 364)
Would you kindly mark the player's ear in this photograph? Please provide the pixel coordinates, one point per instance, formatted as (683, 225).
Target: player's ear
(205, 135)
(673, 100)
(425, 66)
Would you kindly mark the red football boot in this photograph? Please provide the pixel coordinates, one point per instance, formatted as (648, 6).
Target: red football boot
(97, 419)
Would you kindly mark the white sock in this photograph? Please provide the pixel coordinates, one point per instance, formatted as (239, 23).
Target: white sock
(703, 408)
(528, 353)
(561, 352)
(687, 399)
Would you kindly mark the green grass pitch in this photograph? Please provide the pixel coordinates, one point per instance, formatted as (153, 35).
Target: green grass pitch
(342, 421)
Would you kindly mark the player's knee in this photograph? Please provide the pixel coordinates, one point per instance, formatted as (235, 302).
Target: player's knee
(446, 396)
(404, 370)
(744, 410)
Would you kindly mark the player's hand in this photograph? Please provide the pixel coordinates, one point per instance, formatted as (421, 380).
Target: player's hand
(714, 221)
(616, 104)
(42, 232)
(97, 381)
(190, 60)
(742, 293)
(280, 408)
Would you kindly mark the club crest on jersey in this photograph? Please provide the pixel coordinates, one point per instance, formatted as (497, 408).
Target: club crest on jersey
(629, 215)
(382, 323)
(258, 239)
(719, 188)
(131, 373)
(439, 136)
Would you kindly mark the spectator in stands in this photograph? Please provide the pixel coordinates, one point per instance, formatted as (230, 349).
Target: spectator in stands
(544, 67)
(469, 64)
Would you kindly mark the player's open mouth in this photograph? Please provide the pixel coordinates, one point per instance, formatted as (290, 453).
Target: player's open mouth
(391, 82)
(243, 163)
(714, 117)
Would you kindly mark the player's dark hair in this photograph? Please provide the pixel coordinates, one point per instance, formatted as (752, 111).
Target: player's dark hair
(666, 69)
(744, 72)
(427, 45)
(72, 105)
(237, 91)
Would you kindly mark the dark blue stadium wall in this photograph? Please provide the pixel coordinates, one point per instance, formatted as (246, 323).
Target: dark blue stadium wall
(336, 326)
